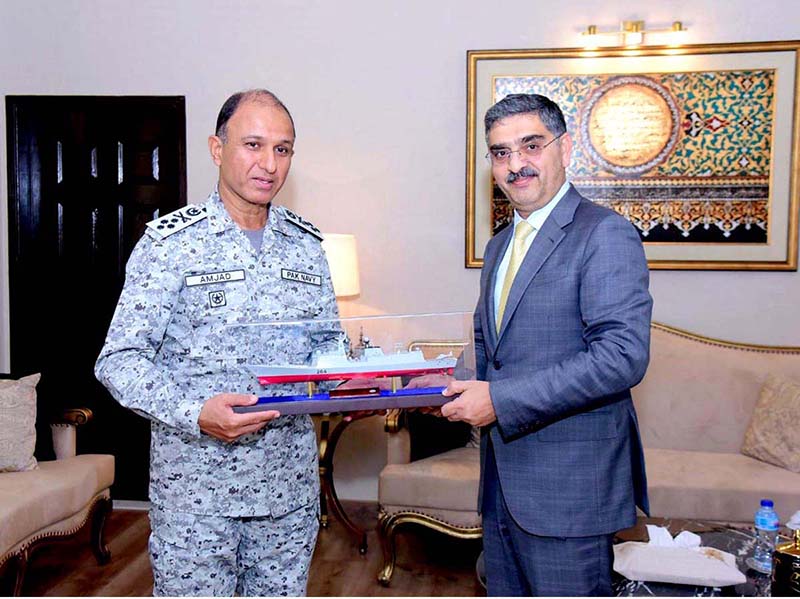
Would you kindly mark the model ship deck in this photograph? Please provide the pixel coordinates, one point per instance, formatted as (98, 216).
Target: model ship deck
(337, 366)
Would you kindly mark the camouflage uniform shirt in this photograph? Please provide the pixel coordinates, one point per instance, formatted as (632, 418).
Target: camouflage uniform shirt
(174, 343)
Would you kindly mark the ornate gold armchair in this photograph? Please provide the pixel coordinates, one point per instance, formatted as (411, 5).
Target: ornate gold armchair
(431, 476)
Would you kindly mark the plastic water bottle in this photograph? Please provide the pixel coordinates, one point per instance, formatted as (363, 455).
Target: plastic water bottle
(766, 522)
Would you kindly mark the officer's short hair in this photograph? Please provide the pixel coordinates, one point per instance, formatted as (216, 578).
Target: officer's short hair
(251, 95)
(514, 104)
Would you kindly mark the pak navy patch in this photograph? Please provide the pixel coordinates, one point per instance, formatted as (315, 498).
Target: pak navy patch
(176, 221)
(301, 277)
(299, 221)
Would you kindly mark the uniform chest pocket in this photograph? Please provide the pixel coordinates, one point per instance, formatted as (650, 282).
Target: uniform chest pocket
(221, 295)
(297, 294)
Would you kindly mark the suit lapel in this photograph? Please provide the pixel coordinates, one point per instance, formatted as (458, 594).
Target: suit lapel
(494, 254)
(546, 241)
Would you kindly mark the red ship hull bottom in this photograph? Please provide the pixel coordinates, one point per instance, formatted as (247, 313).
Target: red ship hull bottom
(342, 376)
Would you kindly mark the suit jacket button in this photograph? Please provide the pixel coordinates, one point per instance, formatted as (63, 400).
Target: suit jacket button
(497, 364)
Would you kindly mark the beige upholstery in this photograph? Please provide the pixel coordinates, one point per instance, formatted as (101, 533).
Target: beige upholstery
(33, 501)
(716, 486)
(699, 394)
(53, 501)
(443, 486)
(694, 406)
(439, 492)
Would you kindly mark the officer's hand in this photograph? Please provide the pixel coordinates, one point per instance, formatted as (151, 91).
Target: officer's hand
(218, 419)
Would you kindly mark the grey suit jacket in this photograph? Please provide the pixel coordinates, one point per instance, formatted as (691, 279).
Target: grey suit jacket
(575, 338)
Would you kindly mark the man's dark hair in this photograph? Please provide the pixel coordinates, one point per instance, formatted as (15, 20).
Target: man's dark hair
(544, 107)
(232, 104)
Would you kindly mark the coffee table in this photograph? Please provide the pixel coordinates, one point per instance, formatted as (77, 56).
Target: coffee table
(736, 540)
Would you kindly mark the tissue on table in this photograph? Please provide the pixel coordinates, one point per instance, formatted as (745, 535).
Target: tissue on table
(679, 560)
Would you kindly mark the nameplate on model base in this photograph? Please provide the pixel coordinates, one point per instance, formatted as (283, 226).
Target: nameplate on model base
(367, 399)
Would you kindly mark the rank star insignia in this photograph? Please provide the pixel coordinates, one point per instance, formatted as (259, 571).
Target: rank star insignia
(302, 223)
(176, 221)
(216, 299)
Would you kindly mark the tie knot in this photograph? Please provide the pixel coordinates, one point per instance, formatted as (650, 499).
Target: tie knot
(522, 230)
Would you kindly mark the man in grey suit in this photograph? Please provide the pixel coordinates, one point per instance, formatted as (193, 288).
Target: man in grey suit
(562, 332)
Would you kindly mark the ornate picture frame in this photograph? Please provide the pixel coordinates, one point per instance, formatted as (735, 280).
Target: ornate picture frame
(698, 146)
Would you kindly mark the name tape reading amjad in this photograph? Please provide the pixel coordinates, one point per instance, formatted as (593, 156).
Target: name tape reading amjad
(223, 276)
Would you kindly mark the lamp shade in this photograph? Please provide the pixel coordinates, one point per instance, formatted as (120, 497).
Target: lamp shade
(343, 262)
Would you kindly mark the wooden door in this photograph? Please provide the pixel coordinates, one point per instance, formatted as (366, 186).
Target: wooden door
(85, 175)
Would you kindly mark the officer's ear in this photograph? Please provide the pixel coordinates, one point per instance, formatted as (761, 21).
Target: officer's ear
(215, 148)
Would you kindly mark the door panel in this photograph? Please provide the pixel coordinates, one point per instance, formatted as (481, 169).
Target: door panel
(86, 173)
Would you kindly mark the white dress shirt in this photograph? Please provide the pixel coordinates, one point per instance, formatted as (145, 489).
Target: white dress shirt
(536, 220)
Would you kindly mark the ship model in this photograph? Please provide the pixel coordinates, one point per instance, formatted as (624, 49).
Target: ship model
(365, 362)
(344, 363)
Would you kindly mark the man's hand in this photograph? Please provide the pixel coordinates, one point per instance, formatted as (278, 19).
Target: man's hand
(383, 382)
(218, 419)
(380, 382)
(473, 406)
(429, 380)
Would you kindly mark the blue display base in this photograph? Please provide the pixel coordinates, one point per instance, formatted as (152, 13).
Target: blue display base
(321, 403)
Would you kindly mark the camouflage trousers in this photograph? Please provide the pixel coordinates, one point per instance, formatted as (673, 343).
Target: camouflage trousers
(197, 555)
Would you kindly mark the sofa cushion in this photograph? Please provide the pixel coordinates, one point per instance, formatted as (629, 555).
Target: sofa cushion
(32, 501)
(444, 486)
(774, 435)
(699, 395)
(18, 423)
(716, 486)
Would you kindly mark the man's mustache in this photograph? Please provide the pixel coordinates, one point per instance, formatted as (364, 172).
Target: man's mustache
(525, 171)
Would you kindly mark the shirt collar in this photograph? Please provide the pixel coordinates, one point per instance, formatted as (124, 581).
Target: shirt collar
(537, 217)
(219, 220)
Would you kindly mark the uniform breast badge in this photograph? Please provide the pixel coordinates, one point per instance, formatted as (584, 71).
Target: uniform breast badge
(216, 299)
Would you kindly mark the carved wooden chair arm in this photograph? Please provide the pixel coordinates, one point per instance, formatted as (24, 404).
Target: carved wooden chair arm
(73, 416)
(64, 429)
(398, 445)
(394, 420)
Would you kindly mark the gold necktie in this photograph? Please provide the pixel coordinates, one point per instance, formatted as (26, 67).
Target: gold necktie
(521, 232)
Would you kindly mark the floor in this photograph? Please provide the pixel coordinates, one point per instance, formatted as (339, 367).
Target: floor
(428, 564)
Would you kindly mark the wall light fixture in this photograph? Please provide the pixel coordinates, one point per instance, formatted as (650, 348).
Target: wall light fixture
(632, 34)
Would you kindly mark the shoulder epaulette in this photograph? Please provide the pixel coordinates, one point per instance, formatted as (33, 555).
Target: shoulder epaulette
(299, 221)
(176, 221)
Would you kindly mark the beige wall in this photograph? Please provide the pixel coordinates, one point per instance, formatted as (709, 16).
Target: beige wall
(378, 93)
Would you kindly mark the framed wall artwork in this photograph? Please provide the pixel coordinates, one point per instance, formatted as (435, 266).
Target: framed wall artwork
(697, 146)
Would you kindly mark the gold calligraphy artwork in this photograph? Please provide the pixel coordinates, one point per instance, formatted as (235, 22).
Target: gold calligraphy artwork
(686, 157)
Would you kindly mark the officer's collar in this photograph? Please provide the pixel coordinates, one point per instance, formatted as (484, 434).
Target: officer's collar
(220, 220)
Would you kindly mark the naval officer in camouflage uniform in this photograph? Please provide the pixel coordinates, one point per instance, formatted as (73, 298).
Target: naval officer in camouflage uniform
(234, 496)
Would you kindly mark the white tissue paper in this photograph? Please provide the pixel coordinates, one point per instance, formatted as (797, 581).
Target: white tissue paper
(679, 560)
